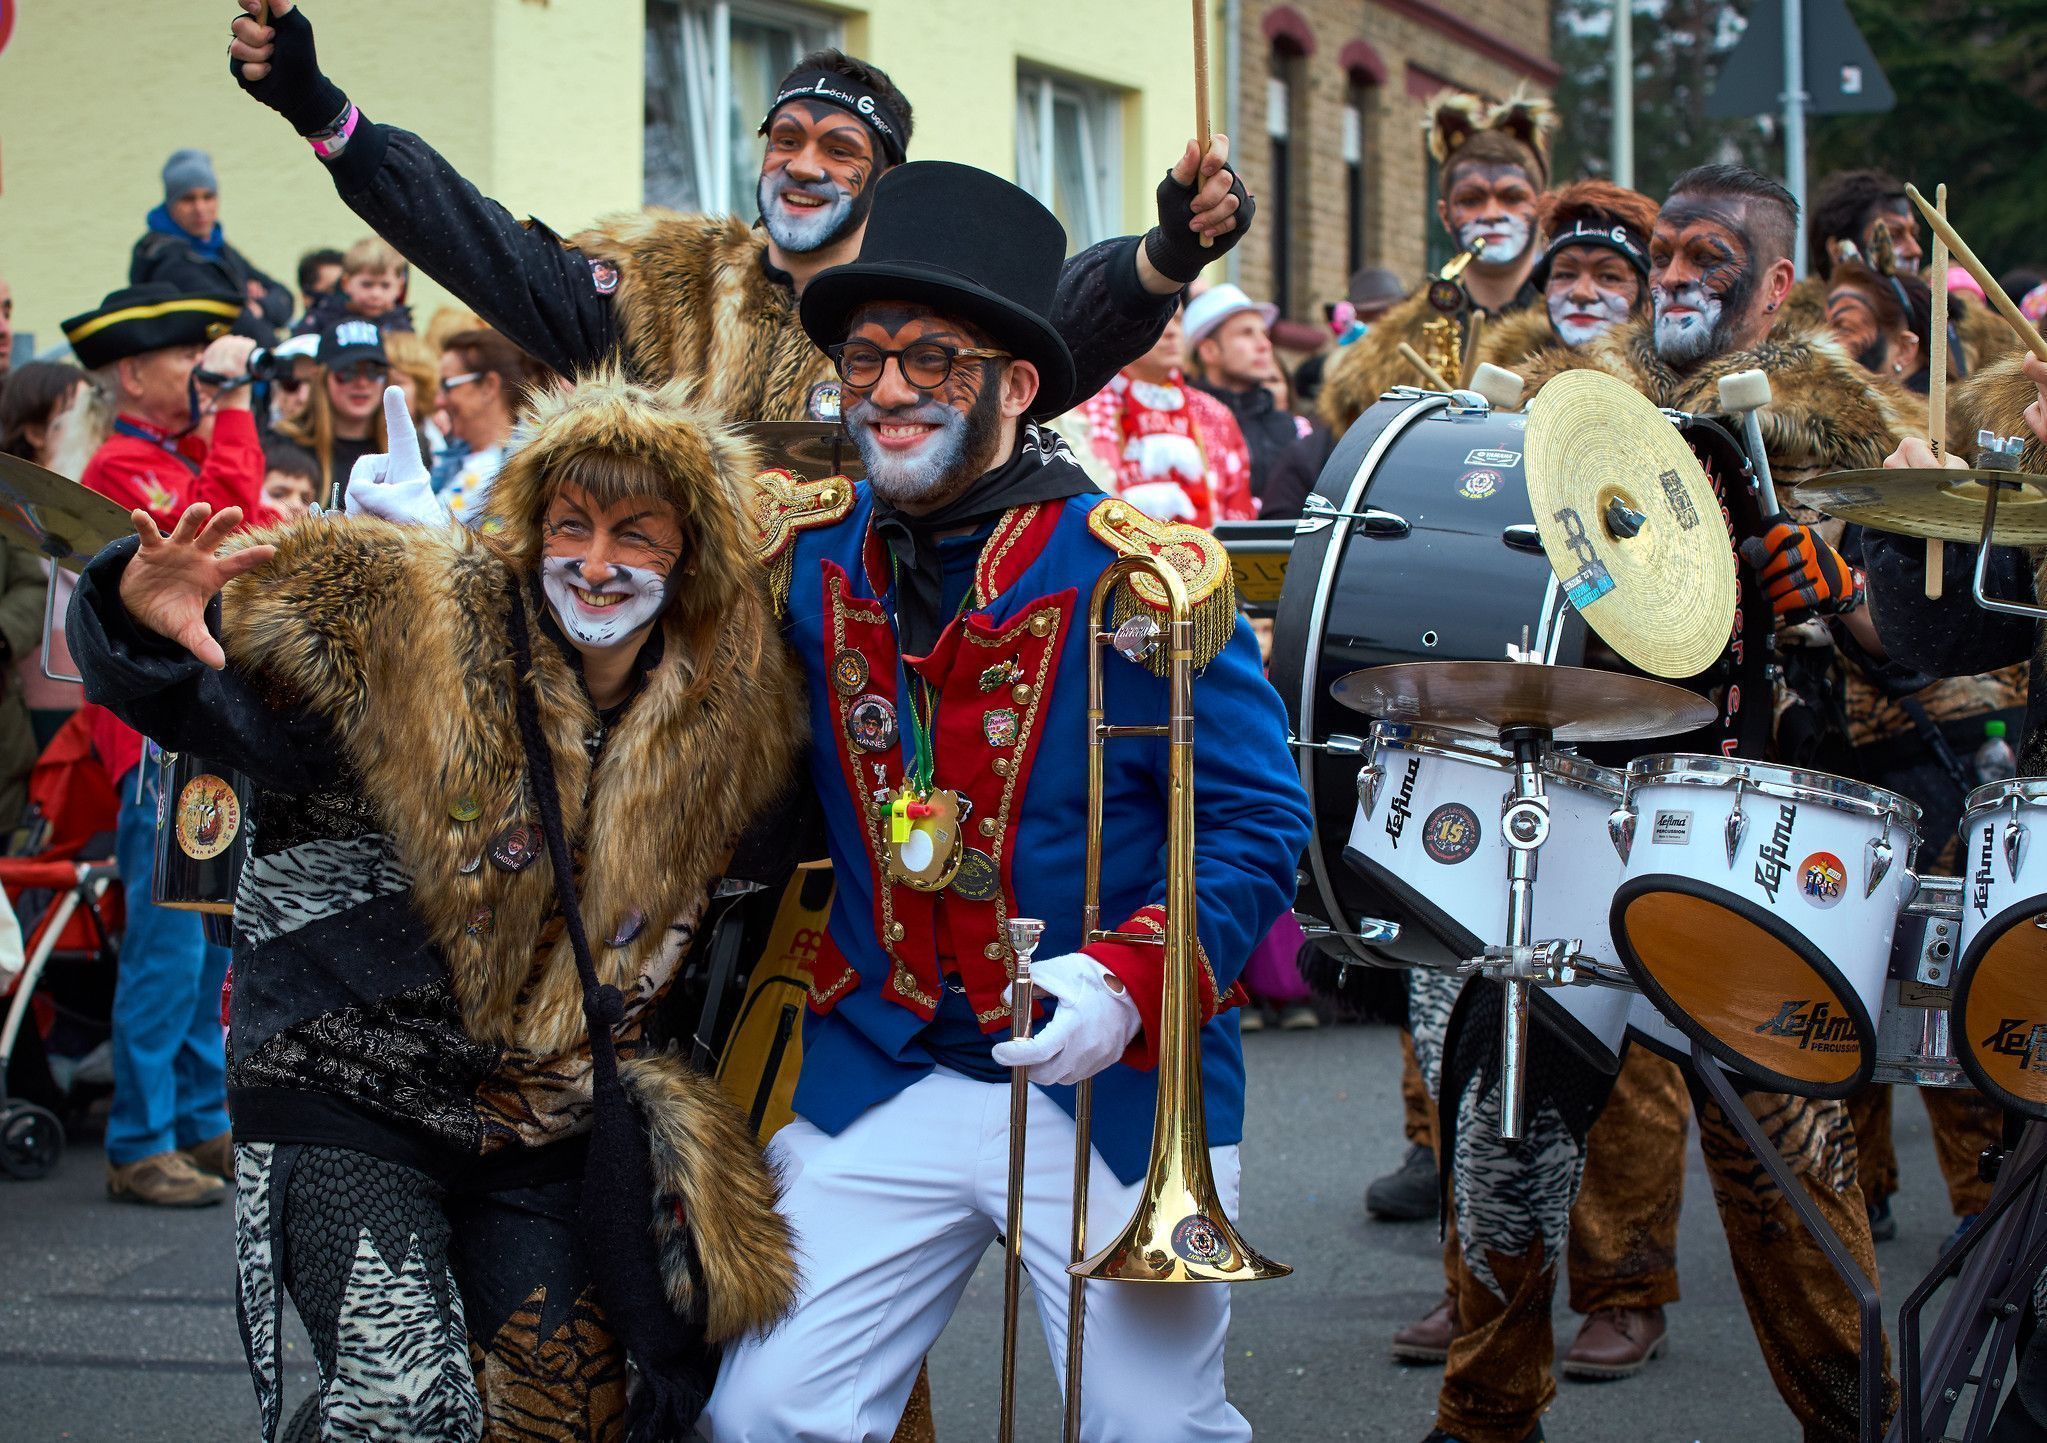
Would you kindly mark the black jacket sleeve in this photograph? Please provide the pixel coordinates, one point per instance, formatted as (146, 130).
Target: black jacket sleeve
(516, 275)
(165, 693)
(1950, 635)
(1104, 313)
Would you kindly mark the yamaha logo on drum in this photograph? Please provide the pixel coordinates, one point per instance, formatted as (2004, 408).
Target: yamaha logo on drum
(1774, 859)
(2016, 1037)
(1814, 1024)
(1398, 814)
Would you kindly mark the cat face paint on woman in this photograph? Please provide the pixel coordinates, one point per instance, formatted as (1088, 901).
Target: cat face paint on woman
(1493, 203)
(1591, 289)
(1702, 277)
(605, 569)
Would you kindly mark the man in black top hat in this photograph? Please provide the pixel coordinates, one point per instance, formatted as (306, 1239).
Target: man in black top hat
(939, 611)
(709, 297)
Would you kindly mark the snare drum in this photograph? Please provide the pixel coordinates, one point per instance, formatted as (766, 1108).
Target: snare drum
(1426, 844)
(202, 834)
(1757, 910)
(2001, 983)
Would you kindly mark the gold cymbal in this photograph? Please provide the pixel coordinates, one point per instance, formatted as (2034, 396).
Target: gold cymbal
(1938, 505)
(1571, 703)
(811, 449)
(54, 516)
(1630, 523)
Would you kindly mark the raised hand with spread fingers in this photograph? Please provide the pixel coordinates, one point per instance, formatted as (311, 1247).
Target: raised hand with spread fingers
(170, 580)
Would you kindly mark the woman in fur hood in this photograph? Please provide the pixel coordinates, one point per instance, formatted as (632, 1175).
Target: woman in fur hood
(494, 777)
(1593, 272)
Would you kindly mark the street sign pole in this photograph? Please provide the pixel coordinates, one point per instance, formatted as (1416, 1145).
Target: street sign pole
(1794, 117)
(1623, 93)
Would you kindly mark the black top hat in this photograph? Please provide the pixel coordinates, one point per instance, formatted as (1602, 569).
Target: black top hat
(146, 318)
(968, 244)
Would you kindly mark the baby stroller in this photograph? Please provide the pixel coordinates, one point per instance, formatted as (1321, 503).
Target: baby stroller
(65, 909)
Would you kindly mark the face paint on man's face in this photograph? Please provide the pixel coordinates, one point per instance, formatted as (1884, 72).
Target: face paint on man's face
(922, 448)
(1853, 320)
(1702, 278)
(814, 186)
(606, 613)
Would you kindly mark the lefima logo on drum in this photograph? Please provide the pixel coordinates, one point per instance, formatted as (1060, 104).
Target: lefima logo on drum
(1773, 859)
(1401, 811)
(1814, 1024)
(1979, 891)
(2017, 1037)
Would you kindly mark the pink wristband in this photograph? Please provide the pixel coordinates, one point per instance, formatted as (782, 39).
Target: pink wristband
(331, 143)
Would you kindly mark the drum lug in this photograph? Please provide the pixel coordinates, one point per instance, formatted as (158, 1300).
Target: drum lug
(1620, 826)
(2015, 834)
(1737, 828)
(1877, 864)
(1369, 776)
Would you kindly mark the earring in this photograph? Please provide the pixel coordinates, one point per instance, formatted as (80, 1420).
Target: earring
(1771, 309)
(1898, 367)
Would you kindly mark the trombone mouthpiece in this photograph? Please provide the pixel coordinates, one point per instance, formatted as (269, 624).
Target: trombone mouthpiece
(1744, 391)
(1024, 933)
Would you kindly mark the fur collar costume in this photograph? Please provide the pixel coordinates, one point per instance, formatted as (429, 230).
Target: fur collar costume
(1513, 341)
(698, 298)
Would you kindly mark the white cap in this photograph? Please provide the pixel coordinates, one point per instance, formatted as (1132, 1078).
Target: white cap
(1217, 304)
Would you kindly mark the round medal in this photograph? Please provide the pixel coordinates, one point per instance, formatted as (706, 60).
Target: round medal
(514, 849)
(849, 673)
(871, 723)
(208, 817)
(977, 880)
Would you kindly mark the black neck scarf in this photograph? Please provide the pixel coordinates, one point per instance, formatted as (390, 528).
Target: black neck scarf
(1041, 469)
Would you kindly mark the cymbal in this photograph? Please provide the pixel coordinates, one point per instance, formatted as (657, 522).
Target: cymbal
(1630, 523)
(1936, 504)
(813, 449)
(1571, 703)
(54, 516)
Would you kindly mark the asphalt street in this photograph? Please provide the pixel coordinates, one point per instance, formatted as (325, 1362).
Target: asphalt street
(117, 1322)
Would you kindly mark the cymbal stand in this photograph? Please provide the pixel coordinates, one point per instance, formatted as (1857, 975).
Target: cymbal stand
(1995, 1264)
(1524, 824)
(1997, 453)
(1869, 1375)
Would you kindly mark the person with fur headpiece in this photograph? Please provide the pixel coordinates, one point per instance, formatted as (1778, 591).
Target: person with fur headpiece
(495, 775)
(1592, 270)
(1494, 166)
(712, 298)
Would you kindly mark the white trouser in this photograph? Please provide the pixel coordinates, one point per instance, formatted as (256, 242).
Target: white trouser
(891, 1217)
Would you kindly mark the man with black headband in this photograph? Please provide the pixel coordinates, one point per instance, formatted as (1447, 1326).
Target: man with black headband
(706, 298)
(938, 610)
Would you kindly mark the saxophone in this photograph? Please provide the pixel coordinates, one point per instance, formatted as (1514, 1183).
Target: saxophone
(1442, 337)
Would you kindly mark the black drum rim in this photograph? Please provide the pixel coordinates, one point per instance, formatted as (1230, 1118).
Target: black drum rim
(1989, 934)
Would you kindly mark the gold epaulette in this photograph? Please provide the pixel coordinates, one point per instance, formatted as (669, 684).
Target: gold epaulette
(785, 504)
(1202, 563)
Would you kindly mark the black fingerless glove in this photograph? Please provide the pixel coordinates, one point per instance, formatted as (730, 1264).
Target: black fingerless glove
(1177, 252)
(295, 88)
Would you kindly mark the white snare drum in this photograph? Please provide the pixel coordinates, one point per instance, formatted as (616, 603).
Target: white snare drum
(1757, 909)
(1427, 835)
(2001, 983)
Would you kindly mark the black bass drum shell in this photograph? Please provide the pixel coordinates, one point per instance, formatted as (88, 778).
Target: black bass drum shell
(202, 834)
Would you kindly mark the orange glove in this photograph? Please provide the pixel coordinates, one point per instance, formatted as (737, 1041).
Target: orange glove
(1801, 574)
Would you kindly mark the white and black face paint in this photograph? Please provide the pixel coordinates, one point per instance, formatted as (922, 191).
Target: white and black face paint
(841, 211)
(1692, 331)
(1506, 237)
(1579, 320)
(902, 480)
(605, 614)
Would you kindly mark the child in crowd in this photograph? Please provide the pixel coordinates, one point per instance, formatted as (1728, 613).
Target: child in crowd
(291, 479)
(373, 281)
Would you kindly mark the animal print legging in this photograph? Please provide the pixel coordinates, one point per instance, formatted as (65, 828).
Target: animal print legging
(433, 1316)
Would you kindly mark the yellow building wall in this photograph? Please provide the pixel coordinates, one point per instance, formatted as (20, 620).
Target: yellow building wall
(536, 101)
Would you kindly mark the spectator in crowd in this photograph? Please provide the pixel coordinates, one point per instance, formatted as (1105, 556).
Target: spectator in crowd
(416, 370)
(1228, 333)
(319, 274)
(33, 398)
(292, 392)
(167, 1136)
(344, 416)
(447, 322)
(1373, 291)
(6, 328)
(291, 481)
(184, 248)
(1168, 448)
(373, 282)
(484, 381)
(34, 401)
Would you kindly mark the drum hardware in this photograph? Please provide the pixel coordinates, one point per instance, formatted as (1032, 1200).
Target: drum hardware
(1489, 698)
(2000, 1017)
(1501, 388)
(1337, 745)
(1523, 538)
(1317, 512)
(1744, 394)
(57, 518)
(203, 831)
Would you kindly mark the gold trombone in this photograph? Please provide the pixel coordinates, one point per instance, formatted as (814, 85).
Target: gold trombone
(1179, 1232)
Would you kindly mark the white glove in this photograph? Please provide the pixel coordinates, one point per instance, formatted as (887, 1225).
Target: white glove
(1160, 500)
(396, 486)
(1091, 1027)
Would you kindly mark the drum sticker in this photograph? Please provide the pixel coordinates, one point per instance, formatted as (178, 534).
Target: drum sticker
(209, 815)
(1197, 1240)
(1397, 815)
(1680, 500)
(2017, 1037)
(1480, 485)
(1773, 859)
(1592, 581)
(1814, 1025)
(1451, 834)
(1493, 458)
(1822, 880)
(1671, 829)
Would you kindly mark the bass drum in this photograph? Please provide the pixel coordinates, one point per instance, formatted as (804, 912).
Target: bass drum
(1432, 555)
(202, 833)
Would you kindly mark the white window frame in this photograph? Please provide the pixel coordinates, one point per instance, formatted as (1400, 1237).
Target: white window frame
(706, 54)
(1099, 201)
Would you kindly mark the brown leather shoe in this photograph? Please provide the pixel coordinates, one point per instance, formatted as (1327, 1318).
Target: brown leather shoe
(1428, 1339)
(1616, 1343)
(164, 1179)
(215, 1155)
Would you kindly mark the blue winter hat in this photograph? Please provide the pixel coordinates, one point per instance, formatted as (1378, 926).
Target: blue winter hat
(185, 172)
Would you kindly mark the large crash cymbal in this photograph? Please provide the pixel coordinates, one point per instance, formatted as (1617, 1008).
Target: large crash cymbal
(54, 516)
(811, 449)
(1938, 505)
(1630, 523)
(1484, 698)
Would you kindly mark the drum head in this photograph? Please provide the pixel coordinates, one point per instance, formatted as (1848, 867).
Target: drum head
(2001, 1007)
(1759, 996)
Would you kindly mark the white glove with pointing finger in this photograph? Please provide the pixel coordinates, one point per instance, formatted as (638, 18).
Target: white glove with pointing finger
(396, 486)
(1092, 1026)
